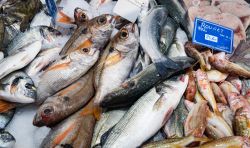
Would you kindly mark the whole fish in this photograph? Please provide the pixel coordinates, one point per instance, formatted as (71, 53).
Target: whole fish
(134, 88)
(242, 120)
(106, 122)
(150, 33)
(177, 142)
(6, 117)
(19, 60)
(196, 121)
(168, 32)
(218, 94)
(191, 88)
(18, 87)
(44, 34)
(216, 76)
(151, 112)
(75, 131)
(42, 60)
(232, 141)
(6, 139)
(177, 10)
(119, 61)
(174, 127)
(205, 89)
(97, 31)
(65, 71)
(226, 113)
(65, 102)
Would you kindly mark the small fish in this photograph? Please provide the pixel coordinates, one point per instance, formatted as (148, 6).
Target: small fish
(151, 111)
(174, 127)
(19, 60)
(228, 88)
(18, 87)
(6, 139)
(232, 141)
(106, 122)
(75, 131)
(119, 61)
(220, 63)
(216, 76)
(65, 102)
(218, 94)
(42, 60)
(44, 34)
(206, 54)
(237, 83)
(5, 118)
(196, 121)
(177, 142)
(205, 89)
(226, 113)
(132, 89)
(65, 71)
(191, 88)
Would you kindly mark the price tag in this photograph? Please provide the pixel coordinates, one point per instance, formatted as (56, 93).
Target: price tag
(213, 35)
(129, 9)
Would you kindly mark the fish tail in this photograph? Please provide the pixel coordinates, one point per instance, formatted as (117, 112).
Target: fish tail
(51, 4)
(6, 106)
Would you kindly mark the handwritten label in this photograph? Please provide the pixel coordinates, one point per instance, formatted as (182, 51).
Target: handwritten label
(213, 35)
(128, 9)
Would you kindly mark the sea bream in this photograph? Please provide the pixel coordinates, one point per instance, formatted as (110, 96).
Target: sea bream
(148, 114)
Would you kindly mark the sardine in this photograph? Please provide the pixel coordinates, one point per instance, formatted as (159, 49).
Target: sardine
(6, 139)
(216, 76)
(75, 131)
(19, 60)
(18, 87)
(119, 61)
(65, 102)
(151, 112)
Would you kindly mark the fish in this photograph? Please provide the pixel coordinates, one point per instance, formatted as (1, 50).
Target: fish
(167, 34)
(174, 127)
(228, 88)
(216, 76)
(178, 11)
(151, 111)
(19, 60)
(18, 87)
(242, 120)
(236, 82)
(65, 102)
(46, 35)
(220, 63)
(52, 9)
(131, 90)
(205, 89)
(196, 122)
(232, 141)
(226, 113)
(6, 139)
(218, 94)
(191, 88)
(191, 51)
(41, 19)
(206, 54)
(177, 142)
(42, 60)
(190, 3)
(6, 117)
(119, 61)
(218, 2)
(97, 31)
(65, 71)
(81, 16)
(107, 121)
(146, 7)
(230, 21)
(75, 131)
(245, 87)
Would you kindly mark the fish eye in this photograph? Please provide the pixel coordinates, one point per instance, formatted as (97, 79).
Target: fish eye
(85, 50)
(16, 81)
(47, 111)
(102, 20)
(28, 86)
(83, 16)
(124, 34)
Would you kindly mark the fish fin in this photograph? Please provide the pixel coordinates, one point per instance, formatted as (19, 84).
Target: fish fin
(105, 136)
(59, 138)
(6, 106)
(64, 18)
(58, 67)
(113, 59)
(52, 9)
(164, 64)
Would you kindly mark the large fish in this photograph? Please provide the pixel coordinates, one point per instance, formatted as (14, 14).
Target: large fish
(148, 114)
(18, 87)
(117, 65)
(65, 71)
(65, 102)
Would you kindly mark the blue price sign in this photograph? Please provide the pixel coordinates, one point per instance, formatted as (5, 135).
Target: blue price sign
(213, 35)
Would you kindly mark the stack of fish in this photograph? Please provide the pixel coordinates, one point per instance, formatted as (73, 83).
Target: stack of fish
(145, 85)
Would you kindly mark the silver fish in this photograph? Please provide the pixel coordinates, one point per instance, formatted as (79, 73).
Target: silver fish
(18, 87)
(6, 139)
(148, 114)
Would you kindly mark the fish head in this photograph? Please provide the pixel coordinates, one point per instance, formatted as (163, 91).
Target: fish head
(81, 15)
(6, 139)
(127, 39)
(50, 36)
(102, 26)
(87, 55)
